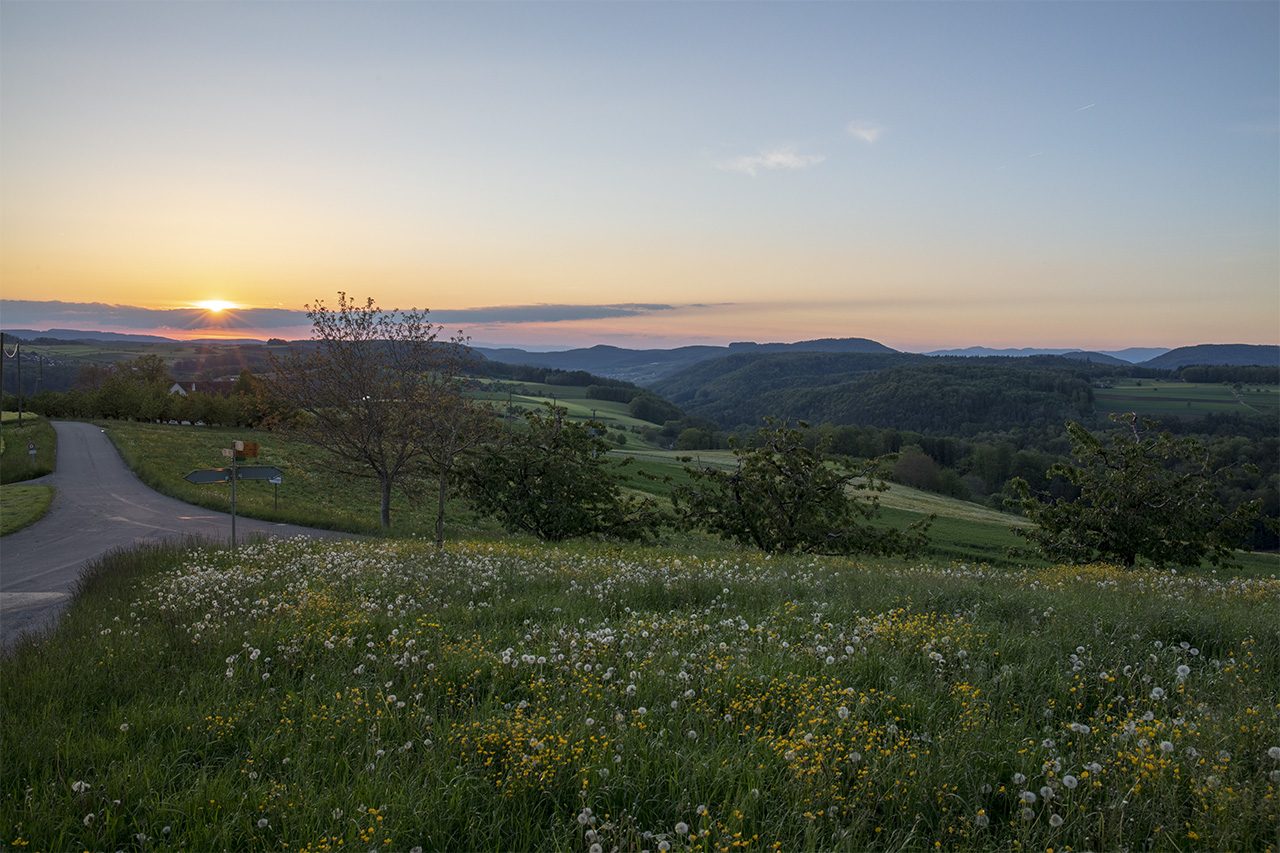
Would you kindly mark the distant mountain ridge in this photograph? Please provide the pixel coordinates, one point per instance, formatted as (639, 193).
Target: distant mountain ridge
(1233, 354)
(647, 366)
(80, 335)
(1131, 355)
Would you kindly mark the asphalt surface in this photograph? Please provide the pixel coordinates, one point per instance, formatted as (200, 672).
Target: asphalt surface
(98, 506)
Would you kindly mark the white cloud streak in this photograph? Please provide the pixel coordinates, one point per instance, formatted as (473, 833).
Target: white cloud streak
(867, 131)
(780, 158)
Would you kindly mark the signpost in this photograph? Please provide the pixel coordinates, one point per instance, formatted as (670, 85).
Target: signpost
(209, 475)
(239, 452)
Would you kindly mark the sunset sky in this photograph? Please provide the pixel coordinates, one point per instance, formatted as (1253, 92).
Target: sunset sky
(927, 175)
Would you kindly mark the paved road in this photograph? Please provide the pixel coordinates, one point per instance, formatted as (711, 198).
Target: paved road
(98, 505)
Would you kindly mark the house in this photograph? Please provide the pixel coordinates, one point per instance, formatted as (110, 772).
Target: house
(220, 387)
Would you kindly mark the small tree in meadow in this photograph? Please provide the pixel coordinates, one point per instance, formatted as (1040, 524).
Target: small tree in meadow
(1144, 494)
(785, 497)
(554, 479)
(373, 389)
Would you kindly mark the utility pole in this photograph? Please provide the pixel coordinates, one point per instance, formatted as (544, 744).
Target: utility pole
(16, 357)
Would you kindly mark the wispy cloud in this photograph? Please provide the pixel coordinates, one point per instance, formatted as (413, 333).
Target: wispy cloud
(867, 131)
(545, 313)
(43, 315)
(87, 315)
(778, 158)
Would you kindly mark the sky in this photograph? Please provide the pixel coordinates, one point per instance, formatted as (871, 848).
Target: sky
(1096, 175)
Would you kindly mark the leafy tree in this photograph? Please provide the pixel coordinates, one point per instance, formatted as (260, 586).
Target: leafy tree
(454, 433)
(1145, 494)
(785, 497)
(648, 406)
(554, 480)
(373, 388)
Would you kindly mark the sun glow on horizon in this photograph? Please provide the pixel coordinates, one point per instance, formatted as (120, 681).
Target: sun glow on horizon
(215, 305)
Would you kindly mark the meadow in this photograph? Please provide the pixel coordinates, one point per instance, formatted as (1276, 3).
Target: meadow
(22, 506)
(16, 462)
(514, 396)
(1158, 399)
(512, 696)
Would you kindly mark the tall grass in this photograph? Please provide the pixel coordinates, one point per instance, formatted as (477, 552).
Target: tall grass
(312, 493)
(21, 506)
(316, 696)
(16, 461)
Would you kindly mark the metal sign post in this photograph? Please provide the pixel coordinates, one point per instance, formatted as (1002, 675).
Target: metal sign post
(238, 452)
(233, 503)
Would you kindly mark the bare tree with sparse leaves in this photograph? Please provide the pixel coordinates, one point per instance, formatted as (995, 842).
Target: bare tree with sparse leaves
(380, 391)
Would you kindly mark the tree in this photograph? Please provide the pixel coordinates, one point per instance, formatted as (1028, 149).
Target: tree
(372, 389)
(455, 432)
(785, 497)
(1144, 494)
(554, 480)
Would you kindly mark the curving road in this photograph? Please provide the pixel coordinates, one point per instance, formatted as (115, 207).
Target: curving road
(98, 505)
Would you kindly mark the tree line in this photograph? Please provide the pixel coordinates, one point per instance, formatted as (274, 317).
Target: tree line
(387, 398)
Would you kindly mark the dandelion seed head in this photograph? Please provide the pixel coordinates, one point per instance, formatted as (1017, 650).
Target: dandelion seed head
(1055, 821)
(682, 828)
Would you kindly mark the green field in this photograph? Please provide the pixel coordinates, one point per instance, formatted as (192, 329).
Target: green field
(313, 494)
(16, 461)
(521, 396)
(491, 696)
(22, 506)
(502, 694)
(1185, 399)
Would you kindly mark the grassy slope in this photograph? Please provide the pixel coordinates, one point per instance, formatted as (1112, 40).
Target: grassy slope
(1155, 398)
(315, 495)
(312, 492)
(494, 697)
(16, 463)
(22, 506)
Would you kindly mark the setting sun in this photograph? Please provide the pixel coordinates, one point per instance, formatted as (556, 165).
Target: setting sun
(215, 305)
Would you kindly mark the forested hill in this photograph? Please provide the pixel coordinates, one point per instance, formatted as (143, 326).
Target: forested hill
(1214, 354)
(955, 396)
(644, 367)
